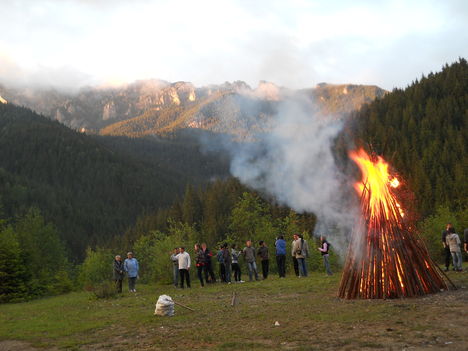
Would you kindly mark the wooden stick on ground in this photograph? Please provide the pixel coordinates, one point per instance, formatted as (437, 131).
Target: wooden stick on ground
(179, 304)
(233, 299)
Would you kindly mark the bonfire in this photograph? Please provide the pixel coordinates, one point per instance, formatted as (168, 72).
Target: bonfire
(386, 257)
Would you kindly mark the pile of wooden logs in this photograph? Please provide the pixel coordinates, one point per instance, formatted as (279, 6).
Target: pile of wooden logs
(386, 258)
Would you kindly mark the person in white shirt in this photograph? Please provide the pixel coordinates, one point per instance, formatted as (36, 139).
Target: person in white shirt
(184, 267)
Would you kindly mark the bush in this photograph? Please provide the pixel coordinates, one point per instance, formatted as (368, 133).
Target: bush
(105, 290)
(96, 268)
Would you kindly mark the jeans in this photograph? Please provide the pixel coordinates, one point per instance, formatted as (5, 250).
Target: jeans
(296, 266)
(302, 267)
(131, 283)
(184, 275)
(227, 272)
(265, 268)
(327, 264)
(447, 257)
(200, 275)
(175, 275)
(281, 263)
(457, 260)
(237, 271)
(252, 266)
(222, 272)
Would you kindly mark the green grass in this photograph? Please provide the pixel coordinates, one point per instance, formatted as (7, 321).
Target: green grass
(311, 317)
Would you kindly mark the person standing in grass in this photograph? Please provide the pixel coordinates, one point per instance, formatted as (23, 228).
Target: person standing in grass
(465, 239)
(131, 267)
(118, 273)
(227, 261)
(301, 250)
(447, 253)
(280, 246)
(249, 256)
(184, 267)
(324, 249)
(294, 259)
(200, 263)
(263, 253)
(175, 267)
(453, 242)
(235, 263)
(208, 268)
(222, 268)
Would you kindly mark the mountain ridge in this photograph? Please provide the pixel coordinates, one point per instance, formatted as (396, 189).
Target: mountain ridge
(96, 108)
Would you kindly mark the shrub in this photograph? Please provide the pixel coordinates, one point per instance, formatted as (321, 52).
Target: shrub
(105, 290)
(96, 268)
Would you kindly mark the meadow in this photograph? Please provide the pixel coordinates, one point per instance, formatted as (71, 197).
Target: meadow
(310, 317)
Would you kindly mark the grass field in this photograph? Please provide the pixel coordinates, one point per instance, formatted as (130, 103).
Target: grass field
(310, 315)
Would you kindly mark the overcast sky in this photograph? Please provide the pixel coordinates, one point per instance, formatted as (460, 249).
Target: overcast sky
(294, 43)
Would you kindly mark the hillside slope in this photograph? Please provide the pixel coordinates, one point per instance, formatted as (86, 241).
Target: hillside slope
(89, 187)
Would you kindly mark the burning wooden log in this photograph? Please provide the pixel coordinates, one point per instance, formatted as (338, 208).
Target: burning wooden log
(386, 259)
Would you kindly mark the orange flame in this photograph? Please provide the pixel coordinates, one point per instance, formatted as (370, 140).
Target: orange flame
(377, 179)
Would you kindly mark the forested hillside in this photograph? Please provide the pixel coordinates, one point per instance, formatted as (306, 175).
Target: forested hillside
(90, 188)
(422, 130)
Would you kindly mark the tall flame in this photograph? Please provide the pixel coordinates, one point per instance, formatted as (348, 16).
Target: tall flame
(378, 181)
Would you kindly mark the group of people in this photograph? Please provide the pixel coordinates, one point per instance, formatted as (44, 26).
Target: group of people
(228, 259)
(130, 267)
(451, 243)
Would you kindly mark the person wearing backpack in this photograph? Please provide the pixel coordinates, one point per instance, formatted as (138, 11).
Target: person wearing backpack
(324, 251)
(301, 251)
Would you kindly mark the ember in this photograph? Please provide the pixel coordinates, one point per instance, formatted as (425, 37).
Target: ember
(385, 258)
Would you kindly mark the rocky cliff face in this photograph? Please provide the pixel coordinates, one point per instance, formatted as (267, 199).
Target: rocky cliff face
(181, 104)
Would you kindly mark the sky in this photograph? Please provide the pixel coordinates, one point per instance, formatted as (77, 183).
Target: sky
(293, 43)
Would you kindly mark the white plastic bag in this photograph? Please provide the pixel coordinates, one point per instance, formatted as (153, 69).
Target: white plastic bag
(164, 306)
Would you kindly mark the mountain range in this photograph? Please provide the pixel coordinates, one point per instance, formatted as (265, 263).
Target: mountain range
(158, 107)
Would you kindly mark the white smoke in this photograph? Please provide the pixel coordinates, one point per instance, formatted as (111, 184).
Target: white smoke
(294, 162)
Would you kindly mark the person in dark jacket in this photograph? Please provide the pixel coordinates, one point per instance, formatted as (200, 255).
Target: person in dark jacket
(280, 246)
(263, 253)
(324, 251)
(227, 261)
(222, 267)
(235, 263)
(200, 262)
(447, 253)
(465, 239)
(118, 273)
(208, 268)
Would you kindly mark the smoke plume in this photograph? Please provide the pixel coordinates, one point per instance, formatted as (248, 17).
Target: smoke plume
(294, 162)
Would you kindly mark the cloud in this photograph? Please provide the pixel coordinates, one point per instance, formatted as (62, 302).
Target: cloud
(296, 43)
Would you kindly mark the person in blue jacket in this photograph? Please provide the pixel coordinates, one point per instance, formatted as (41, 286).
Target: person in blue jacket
(131, 267)
(280, 245)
